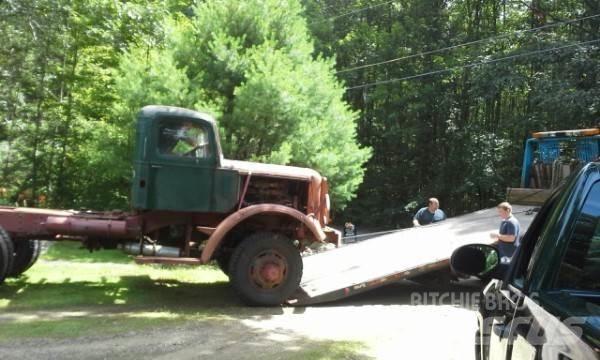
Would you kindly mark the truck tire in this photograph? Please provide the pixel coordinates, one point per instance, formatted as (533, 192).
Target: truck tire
(26, 253)
(265, 269)
(223, 261)
(6, 254)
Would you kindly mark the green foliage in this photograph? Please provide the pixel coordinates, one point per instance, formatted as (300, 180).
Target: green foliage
(252, 64)
(457, 135)
(74, 73)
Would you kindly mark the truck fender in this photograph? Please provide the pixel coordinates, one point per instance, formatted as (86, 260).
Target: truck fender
(232, 220)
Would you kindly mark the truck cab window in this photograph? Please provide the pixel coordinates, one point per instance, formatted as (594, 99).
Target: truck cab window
(183, 138)
(580, 267)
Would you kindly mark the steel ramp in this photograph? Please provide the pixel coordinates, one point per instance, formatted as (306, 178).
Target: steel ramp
(409, 252)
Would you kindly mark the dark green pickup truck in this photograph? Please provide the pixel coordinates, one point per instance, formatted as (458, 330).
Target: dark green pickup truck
(546, 303)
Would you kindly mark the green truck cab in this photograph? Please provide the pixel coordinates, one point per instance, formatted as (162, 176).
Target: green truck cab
(178, 163)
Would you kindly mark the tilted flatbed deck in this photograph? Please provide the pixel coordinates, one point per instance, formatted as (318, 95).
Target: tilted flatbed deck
(372, 263)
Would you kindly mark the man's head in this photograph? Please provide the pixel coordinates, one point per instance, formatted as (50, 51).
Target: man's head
(504, 210)
(433, 204)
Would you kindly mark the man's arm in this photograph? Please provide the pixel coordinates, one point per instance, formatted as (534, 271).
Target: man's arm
(510, 236)
(416, 218)
(507, 238)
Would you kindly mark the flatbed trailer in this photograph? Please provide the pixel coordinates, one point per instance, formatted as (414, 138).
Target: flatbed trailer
(405, 254)
(548, 159)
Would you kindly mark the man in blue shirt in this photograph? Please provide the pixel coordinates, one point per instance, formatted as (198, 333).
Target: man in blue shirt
(430, 214)
(508, 235)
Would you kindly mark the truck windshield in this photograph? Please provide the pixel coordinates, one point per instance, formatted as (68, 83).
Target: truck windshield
(182, 138)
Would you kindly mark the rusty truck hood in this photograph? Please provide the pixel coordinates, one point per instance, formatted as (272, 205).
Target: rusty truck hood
(271, 170)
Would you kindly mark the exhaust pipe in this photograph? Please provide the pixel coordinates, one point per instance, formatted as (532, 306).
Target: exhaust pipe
(151, 250)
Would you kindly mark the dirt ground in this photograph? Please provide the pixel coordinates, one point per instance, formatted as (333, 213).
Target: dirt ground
(401, 320)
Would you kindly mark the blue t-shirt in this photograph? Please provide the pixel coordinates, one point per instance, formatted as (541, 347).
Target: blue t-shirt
(424, 217)
(510, 226)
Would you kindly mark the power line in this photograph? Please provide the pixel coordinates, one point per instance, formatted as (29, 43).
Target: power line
(356, 11)
(470, 65)
(554, 24)
(331, 6)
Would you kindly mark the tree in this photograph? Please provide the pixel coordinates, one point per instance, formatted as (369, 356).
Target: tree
(458, 134)
(252, 64)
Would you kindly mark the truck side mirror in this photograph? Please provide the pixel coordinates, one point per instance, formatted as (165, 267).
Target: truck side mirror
(475, 260)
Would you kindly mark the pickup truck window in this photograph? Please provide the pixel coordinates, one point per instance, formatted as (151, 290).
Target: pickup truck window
(530, 247)
(580, 268)
(575, 293)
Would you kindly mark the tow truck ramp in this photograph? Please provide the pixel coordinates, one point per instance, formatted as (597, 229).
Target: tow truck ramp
(372, 263)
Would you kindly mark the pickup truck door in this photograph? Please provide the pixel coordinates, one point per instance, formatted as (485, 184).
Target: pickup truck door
(560, 318)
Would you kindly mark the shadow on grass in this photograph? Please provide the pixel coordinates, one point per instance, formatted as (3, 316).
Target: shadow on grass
(209, 339)
(129, 292)
(207, 311)
(75, 252)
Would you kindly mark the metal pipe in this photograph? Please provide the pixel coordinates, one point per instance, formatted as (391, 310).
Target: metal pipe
(243, 196)
(151, 250)
(87, 227)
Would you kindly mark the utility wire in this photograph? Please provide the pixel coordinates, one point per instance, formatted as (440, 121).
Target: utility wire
(470, 65)
(551, 25)
(355, 11)
(332, 6)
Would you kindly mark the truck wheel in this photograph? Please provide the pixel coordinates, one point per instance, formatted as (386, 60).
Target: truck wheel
(223, 261)
(6, 254)
(265, 269)
(26, 254)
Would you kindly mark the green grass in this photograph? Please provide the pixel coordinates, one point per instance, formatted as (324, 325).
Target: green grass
(56, 281)
(80, 326)
(330, 350)
(73, 251)
(112, 293)
(70, 293)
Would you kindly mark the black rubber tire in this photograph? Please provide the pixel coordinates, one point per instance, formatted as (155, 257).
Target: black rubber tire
(223, 261)
(6, 254)
(26, 253)
(243, 259)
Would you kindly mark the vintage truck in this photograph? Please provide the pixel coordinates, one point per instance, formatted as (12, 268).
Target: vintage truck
(190, 206)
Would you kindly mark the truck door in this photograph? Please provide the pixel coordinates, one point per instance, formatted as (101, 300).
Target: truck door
(560, 319)
(183, 164)
(495, 327)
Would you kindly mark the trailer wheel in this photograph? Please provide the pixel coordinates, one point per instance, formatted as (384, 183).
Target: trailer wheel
(265, 269)
(6, 254)
(26, 253)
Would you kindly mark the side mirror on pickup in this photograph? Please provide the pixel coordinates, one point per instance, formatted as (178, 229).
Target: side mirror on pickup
(475, 260)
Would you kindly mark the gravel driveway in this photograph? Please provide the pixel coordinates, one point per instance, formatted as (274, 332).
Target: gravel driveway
(387, 323)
